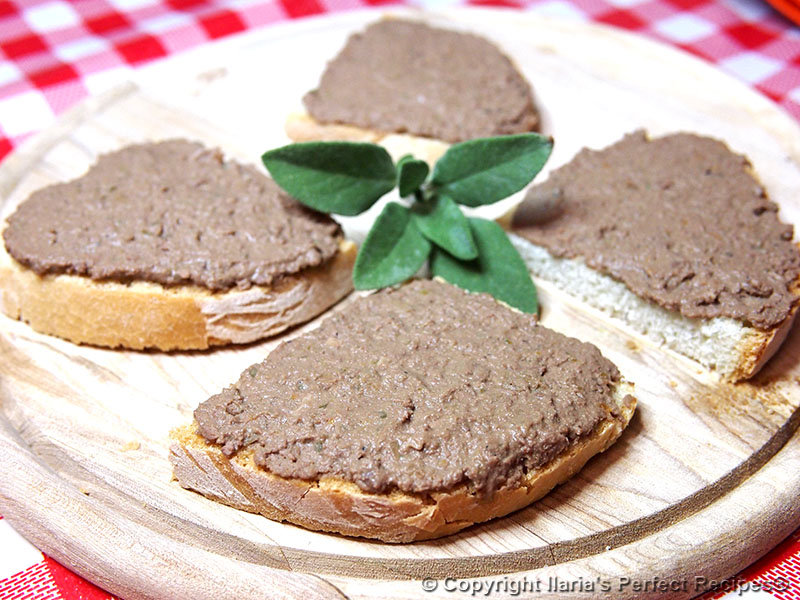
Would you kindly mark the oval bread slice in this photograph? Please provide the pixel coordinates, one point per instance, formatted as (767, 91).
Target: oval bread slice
(413, 413)
(339, 506)
(168, 245)
(441, 97)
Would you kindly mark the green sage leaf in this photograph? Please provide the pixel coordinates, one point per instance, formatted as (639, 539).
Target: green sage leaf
(344, 178)
(486, 170)
(411, 174)
(443, 223)
(394, 250)
(499, 269)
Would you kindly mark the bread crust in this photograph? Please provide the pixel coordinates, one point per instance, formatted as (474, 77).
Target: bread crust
(756, 347)
(143, 315)
(302, 127)
(339, 506)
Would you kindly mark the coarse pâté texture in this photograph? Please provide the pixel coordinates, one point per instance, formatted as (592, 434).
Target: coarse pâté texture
(166, 245)
(418, 389)
(404, 76)
(680, 220)
(172, 213)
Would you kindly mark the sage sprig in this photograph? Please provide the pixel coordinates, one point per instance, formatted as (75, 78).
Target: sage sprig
(347, 178)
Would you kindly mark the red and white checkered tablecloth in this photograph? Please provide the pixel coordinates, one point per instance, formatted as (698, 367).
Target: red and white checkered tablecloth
(53, 53)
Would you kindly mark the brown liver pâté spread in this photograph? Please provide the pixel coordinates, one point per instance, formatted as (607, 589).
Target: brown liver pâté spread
(172, 213)
(417, 389)
(405, 77)
(679, 219)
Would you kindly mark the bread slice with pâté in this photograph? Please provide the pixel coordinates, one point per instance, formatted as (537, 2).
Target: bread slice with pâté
(410, 414)
(674, 237)
(167, 245)
(416, 89)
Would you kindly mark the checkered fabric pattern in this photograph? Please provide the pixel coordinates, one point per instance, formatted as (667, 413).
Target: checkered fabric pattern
(25, 573)
(53, 53)
(776, 575)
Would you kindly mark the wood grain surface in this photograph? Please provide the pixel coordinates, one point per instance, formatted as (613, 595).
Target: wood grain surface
(705, 479)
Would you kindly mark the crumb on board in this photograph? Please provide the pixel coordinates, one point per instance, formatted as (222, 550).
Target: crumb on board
(132, 445)
(632, 345)
(212, 75)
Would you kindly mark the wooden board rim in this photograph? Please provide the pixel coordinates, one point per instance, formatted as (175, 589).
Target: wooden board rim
(40, 479)
(757, 466)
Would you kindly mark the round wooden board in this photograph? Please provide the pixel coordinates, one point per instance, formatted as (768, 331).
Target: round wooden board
(704, 480)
